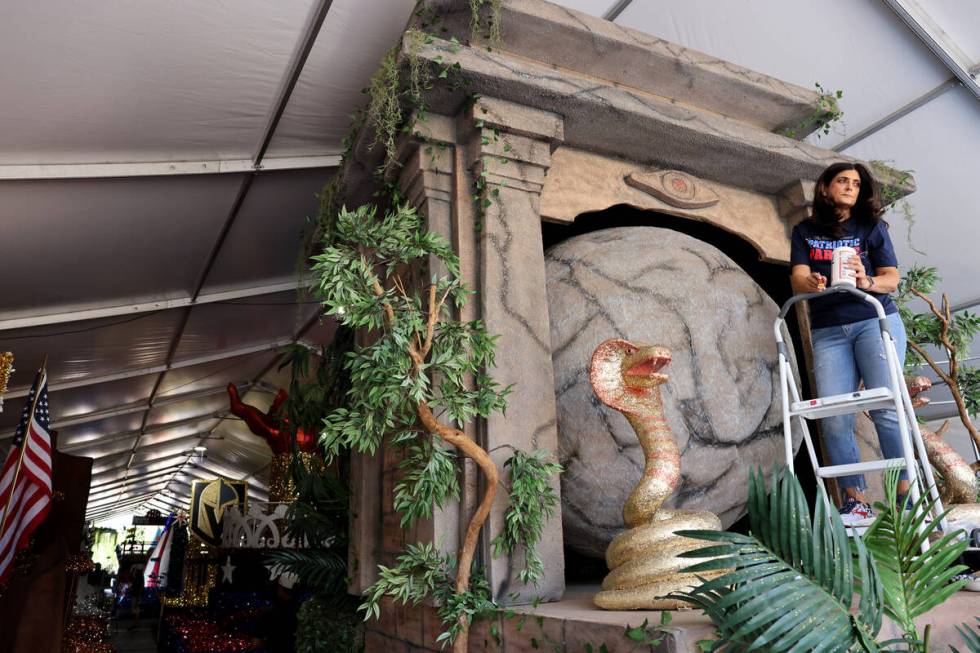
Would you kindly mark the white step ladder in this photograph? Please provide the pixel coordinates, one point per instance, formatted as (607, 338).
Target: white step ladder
(797, 411)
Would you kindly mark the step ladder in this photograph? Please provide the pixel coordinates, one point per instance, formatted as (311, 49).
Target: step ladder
(797, 411)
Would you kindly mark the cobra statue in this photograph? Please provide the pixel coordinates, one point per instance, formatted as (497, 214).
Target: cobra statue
(644, 560)
(958, 489)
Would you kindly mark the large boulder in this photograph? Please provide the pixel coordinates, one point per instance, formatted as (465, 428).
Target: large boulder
(661, 287)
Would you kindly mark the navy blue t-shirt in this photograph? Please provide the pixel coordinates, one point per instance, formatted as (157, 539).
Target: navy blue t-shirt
(810, 246)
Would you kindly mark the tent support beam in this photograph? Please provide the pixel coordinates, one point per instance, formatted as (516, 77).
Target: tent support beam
(156, 369)
(898, 114)
(286, 88)
(614, 11)
(115, 309)
(42, 171)
(96, 415)
(942, 46)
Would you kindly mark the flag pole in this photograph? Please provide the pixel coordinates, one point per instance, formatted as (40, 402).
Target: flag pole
(23, 446)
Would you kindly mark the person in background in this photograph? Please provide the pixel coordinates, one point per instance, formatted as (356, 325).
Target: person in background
(136, 591)
(847, 343)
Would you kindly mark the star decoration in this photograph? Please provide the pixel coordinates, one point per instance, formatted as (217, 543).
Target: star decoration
(227, 570)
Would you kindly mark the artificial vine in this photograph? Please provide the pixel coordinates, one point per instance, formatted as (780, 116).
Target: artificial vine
(892, 195)
(826, 112)
(532, 502)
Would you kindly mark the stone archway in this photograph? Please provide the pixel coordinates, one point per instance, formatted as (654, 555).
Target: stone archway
(660, 286)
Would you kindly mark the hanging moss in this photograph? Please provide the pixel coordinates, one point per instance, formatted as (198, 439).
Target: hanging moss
(493, 21)
(384, 114)
(419, 75)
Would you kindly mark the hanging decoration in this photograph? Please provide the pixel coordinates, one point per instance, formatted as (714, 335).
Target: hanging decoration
(158, 566)
(268, 426)
(200, 575)
(278, 433)
(6, 369)
(209, 500)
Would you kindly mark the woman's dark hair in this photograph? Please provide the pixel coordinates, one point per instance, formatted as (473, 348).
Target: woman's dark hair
(866, 209)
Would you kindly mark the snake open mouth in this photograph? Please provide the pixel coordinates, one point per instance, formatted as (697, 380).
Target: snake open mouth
(642, 367)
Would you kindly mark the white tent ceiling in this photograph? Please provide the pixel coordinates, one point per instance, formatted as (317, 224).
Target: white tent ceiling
(158, 162)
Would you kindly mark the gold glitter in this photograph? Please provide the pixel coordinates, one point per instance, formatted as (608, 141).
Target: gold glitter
(644, 560)
(281, 486)
(6, 367)
(200, 575)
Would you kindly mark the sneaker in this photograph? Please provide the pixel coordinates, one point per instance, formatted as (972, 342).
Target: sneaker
(972, 582)
(855, 512)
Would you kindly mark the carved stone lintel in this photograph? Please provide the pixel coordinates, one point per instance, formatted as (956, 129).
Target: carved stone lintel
(675, 188)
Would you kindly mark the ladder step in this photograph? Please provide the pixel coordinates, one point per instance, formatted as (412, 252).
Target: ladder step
(849, 402)
(833, 471)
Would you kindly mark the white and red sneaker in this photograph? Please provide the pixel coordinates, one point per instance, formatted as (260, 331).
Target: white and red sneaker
(856, 513)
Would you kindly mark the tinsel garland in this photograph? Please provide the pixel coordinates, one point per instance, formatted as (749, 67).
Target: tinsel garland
(87, 634)
(192, 634)
(281, 486)
(79, 563)
(92, 605)
(200, 575)
(22, 565)
(6, 367)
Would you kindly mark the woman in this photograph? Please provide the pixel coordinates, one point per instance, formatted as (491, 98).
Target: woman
(847, 344)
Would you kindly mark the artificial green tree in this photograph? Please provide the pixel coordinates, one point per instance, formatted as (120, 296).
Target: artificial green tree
(951, 333)
(423, 376)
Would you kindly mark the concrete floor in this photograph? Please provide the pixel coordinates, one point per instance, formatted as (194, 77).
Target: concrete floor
(139, 639)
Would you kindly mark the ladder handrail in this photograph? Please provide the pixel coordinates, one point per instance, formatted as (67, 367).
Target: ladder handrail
(833, 290)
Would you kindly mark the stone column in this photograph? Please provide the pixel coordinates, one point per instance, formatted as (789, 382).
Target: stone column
(427, 178)
(508, 154)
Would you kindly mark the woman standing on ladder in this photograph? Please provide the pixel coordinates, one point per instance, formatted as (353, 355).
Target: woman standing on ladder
(847, 343)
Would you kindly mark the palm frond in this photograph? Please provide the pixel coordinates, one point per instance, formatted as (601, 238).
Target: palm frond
(787, 589)
(971, 637)
(913, 582)
(322, 569)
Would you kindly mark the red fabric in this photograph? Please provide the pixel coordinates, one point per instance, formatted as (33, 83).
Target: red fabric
(264, 424)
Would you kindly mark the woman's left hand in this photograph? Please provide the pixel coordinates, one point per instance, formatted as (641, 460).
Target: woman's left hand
(860, 277)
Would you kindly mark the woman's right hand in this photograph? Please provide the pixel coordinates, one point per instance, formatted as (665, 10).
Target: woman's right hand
(816, 282)
(805, 280)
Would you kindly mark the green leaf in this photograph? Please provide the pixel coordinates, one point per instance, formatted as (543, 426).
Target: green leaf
(913, 582)
(787, 560)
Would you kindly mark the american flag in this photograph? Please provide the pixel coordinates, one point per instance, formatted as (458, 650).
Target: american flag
(25, 482)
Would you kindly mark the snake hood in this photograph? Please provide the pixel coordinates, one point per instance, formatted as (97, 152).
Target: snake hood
(624, 373)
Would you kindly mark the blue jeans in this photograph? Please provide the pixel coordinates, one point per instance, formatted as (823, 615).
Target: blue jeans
(842, 356)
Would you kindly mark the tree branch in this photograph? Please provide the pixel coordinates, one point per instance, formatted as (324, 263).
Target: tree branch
(477, 454)
(379, 292)
(928, 359)
(954, 365)
(943, 320)
(951, 379)
(430, 326)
